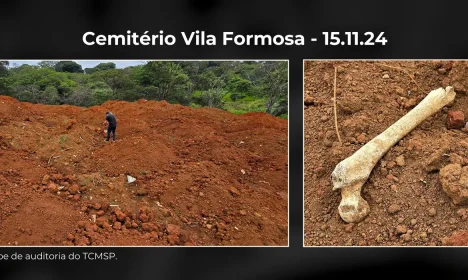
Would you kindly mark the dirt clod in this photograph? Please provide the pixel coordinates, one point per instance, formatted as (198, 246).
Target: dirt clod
(394, 208)
(454, 179)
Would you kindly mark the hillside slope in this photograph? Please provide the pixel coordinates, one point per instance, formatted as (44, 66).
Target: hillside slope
(204, 176)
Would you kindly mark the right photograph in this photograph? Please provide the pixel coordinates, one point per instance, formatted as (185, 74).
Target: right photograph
(385, 153)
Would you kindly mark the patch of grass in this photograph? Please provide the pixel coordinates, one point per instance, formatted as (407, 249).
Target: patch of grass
(284, 116)
(197, 93)
(246, 105)
(62, 139)
(85, 181)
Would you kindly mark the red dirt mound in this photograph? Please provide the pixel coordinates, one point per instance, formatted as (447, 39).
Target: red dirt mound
(408, 204)
(203, 176)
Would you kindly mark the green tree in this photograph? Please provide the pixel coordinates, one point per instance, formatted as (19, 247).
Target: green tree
(81, 96)
(68, 66)
(101, 67)
(239, 84)
(214, 93)
(4, 68)
(168, 78)
(47, 64)
(115, 79)
(275, 86)
(27, 78)
(5, 82)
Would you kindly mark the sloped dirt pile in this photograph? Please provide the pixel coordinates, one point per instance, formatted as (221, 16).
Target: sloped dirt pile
(203, 176)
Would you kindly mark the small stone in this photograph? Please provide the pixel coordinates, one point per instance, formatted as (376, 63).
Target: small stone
(423, 235)
(144, 218)
(70, 237)
(308, 101)
(74, 189)
(461, 212)
(149, 227)
(400, 90)
(173, 229)
(101, 221)
(394, 208)
(45, 179)
(117, 225)
(234, 191)
(173, 239)
(455, 120)
(452, 221)
(406, 237)
(400, 229)
(52, 187)
(324, 118)
(349, 227)
(411, 103)
(391, 164)
(454, 180)
(432, 212)
(386, 76)
(120, 215)
(142, 192)
(400, 160)
(442, 71)
(413, 222)
(243, 212)
(327, 142)
(361, 138)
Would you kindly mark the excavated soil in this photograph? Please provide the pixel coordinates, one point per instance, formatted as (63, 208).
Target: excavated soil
(408, 205)
(203, 176)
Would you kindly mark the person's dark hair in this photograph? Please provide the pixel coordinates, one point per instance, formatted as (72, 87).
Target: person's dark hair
(107, 113)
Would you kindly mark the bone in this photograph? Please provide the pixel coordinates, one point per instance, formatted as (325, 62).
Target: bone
(351, 173)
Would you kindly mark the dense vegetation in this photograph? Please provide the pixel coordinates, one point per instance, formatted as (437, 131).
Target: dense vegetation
(236, 86)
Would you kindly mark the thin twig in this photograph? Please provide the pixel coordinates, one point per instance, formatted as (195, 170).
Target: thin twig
(334, 106)
(401, 69)
(50, 159)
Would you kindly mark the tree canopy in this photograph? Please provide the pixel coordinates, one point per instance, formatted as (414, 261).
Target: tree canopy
(236, 86)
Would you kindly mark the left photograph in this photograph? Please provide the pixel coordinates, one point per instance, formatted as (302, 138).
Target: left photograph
(144, 153)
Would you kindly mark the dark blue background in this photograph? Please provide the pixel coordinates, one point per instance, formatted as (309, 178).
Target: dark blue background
(425, 30)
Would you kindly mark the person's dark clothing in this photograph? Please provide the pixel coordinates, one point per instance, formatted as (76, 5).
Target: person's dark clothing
(109, 130)
(111, 119)
(112, 126)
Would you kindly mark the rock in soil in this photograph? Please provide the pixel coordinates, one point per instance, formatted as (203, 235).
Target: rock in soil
(455, 120)
(454, 180)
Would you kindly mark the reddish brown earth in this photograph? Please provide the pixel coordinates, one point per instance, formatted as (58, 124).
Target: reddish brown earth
(408, 204)
(204, 176)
